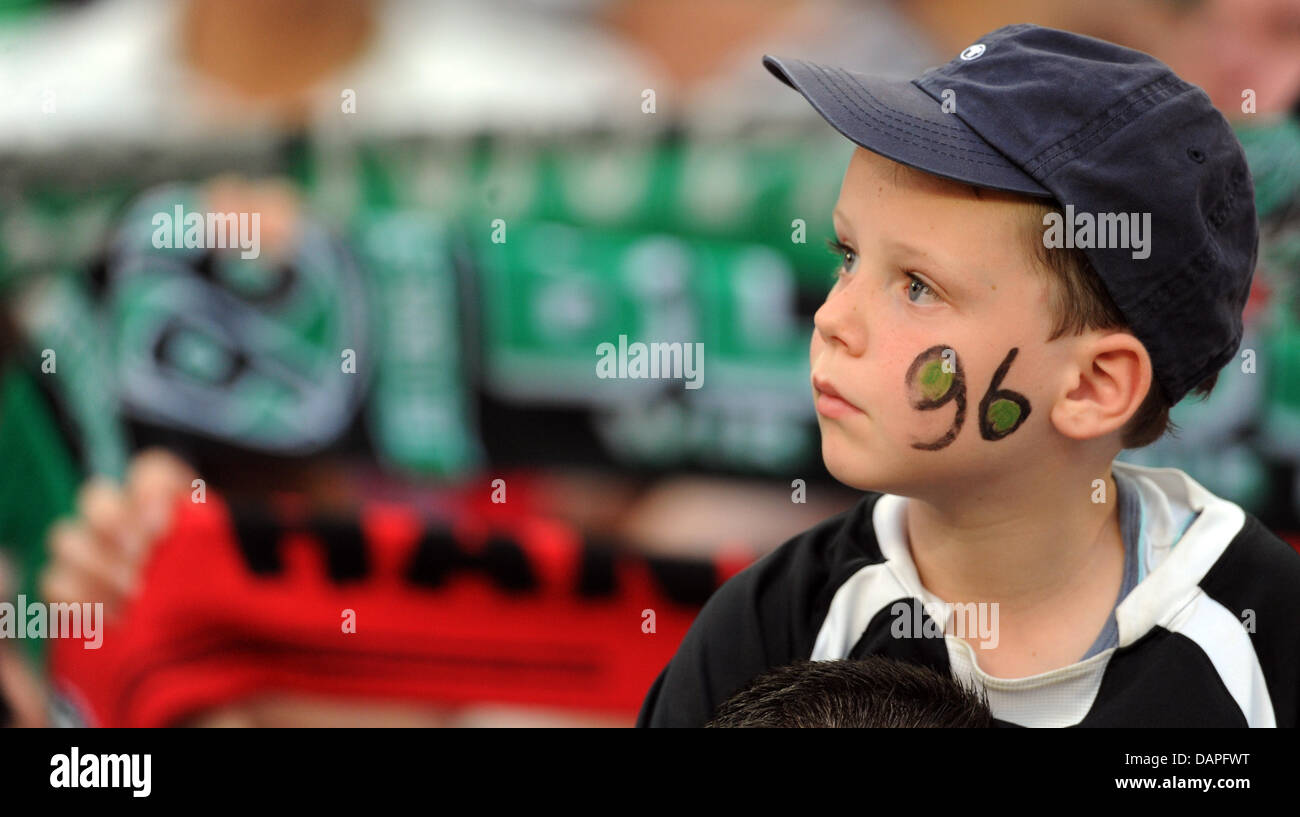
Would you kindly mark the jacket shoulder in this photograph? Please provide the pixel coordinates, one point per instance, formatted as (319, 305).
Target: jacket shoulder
(767, 615)
(1258, 580)
(1257, 564)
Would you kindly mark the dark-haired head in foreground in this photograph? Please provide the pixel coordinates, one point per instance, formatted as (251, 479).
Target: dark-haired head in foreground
(868, 692)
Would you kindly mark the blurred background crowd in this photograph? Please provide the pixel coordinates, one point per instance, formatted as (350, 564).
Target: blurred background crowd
(393, 412)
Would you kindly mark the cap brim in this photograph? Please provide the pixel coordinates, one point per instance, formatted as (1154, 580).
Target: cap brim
(898, 120)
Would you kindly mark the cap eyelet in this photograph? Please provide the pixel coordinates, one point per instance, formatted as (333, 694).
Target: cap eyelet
(1195, 155)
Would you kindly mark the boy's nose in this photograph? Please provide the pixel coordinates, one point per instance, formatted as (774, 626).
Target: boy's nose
(839, 320)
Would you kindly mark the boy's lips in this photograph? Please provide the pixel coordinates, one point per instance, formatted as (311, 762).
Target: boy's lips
(830, 403)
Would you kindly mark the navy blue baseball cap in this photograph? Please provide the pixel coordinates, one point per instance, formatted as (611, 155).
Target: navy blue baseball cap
(1100, 129)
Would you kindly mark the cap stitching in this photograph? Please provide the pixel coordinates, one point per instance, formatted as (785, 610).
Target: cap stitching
(959, 132)
(979, 149)
(1143, 307)
(1207, 257)
(1232, 197)
(1162, 292)
(897, 131)
(1102, 127)
(1171, 290)
(907, 127)
(1076, 144)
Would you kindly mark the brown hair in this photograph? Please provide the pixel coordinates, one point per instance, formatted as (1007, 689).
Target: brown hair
(1079, 302)
(863, 693)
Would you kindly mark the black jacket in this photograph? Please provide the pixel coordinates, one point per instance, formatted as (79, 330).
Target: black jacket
(1187, 655)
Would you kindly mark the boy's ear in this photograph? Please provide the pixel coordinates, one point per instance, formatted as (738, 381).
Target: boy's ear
(1109, 384)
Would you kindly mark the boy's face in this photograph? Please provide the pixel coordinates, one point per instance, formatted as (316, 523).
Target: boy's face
(904, 351)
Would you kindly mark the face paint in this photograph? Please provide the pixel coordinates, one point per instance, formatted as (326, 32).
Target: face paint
(930, 386)
(1002, 410)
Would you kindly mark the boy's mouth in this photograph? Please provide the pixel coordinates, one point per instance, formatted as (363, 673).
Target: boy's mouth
(830, 403)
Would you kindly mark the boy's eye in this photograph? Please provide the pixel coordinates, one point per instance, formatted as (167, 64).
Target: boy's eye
(915, 287)
(918, 287)
(846, 253)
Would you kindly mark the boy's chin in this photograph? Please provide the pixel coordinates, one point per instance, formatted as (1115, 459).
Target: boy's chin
(859, 470)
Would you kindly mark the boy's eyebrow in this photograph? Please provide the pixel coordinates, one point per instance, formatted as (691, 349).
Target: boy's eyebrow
(838, 217)
(941, 271)
(938, 268)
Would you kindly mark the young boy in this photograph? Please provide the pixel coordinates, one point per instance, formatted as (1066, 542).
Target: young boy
(1047, 243)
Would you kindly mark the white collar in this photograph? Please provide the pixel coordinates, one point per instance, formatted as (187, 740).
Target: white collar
(1177, 510)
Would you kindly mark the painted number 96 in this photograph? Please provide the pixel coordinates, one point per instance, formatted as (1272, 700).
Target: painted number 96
(935, 379)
